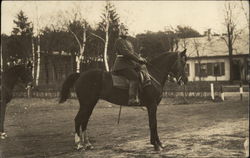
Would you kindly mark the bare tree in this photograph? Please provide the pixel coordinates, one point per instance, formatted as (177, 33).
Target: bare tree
(173, 38)
(81, 43)
(107, 8)
(184, 43)
(74, 22)
(81, 39)
(245, 10)
(38, 50)
(197, 47)
(108, 25)
(233, 32)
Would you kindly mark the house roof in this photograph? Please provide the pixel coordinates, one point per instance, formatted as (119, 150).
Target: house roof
(216, 46)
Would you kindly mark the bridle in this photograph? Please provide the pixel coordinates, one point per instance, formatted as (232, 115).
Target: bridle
(177, 62)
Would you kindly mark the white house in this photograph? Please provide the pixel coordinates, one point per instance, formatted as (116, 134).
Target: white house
(212, 52)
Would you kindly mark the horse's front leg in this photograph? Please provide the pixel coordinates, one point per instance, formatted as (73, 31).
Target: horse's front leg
(3, 135)
(85, 140)
(154, 138)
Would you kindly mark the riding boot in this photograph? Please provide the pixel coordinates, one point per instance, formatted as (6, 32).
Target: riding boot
(133, 93)
(147, 80)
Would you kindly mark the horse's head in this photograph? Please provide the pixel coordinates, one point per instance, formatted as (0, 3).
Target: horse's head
(24, 72)
(178, 68)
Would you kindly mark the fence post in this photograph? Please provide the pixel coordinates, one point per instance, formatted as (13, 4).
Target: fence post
(222, 93)
(241, 91)
(119, 115)
(212, 90)
(184, 91)
(29, 91)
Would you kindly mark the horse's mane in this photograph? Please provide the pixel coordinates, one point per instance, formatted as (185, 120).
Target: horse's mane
(160, 56)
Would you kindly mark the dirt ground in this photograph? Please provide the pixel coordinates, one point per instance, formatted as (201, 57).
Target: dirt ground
(43, 128)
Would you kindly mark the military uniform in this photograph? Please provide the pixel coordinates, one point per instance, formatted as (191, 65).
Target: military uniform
(126, 58)
(126, 64)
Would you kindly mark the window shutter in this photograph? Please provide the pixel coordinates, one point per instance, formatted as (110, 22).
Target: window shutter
(210, 69)
(196, 69)
(187, 69)
(222, 68)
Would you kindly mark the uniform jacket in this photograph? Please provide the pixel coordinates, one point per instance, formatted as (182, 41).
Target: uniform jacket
(126, 57)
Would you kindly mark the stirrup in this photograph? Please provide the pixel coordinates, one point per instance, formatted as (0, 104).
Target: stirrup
(133, 102)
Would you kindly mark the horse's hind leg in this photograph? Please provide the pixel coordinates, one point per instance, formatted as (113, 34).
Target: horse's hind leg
(77, 130)
(81, 120)
(85, 119)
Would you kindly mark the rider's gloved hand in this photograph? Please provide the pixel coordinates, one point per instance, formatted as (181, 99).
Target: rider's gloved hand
(143, 61)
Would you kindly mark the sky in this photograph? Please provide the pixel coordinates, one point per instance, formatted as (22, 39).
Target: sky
(139, 16)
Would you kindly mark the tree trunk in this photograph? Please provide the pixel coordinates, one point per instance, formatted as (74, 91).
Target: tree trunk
(78, 64)
(106, 41)
(199, 63)
(230, 51)
(38, 62)
(79, 57)
(33, 57)
(105, 53)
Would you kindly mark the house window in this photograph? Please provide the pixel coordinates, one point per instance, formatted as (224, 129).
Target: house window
(216, 69)
(210, 69)
(201, 71)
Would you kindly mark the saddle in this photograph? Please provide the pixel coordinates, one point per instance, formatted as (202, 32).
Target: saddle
(123, 83)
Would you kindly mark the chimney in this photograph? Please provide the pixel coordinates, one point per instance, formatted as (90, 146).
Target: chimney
(209, 34)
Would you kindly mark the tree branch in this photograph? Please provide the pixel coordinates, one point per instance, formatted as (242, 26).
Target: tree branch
(79, 43)
(224, 40)
(98, 37)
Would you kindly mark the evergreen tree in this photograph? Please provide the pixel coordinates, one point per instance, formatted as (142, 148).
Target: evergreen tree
(23, 27)
(19, 45)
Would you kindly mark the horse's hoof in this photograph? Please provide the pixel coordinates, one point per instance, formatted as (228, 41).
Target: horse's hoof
(3, 135)
(89, 147)
(79, 146)
(161, 145)
(158, 148)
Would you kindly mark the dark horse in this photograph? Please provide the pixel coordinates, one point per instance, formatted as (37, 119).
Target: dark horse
(92, 85)
(9, 79)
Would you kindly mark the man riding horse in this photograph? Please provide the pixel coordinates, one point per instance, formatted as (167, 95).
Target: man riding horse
(128, 63)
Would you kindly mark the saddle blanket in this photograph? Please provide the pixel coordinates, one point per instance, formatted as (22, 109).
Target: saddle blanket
(122, 82)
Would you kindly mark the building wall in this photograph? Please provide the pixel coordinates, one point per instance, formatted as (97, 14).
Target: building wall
(54, 69)
(242, 69)
(192, 76)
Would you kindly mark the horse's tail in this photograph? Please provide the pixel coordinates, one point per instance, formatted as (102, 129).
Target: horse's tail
(67, 84)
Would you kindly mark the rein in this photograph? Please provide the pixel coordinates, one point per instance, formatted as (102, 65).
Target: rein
(160, 73)
(156, 69)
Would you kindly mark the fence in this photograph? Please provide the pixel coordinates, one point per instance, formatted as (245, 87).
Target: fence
(192, 89)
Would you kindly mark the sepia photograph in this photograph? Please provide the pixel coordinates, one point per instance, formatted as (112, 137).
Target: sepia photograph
(124, 79)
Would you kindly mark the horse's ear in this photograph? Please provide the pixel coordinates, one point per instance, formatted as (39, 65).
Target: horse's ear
(183, 53)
